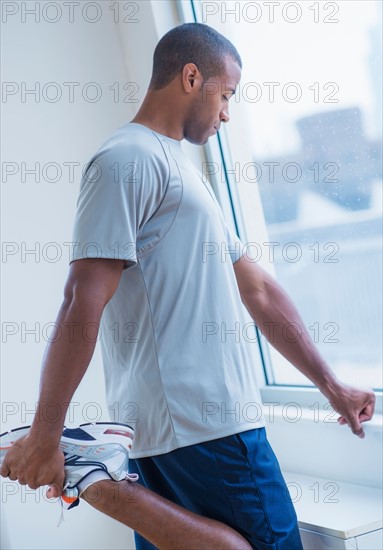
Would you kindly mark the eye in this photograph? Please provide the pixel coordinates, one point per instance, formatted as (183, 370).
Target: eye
(225, 98)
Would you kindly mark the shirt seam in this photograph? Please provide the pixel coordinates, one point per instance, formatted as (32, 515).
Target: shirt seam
(166, 188)
(156, 350)
(142, 252)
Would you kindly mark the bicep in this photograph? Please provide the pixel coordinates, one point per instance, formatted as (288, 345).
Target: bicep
(252, 279)
(97, 278)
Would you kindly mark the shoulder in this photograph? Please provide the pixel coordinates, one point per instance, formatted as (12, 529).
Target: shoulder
(132, 153)
(133, 143)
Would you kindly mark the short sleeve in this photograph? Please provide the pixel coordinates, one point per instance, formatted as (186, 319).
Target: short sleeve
(120, 190)
(235, 247)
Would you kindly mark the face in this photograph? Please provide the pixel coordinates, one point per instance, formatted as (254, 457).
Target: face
(209, 104)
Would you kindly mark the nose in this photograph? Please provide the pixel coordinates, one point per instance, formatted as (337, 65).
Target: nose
(224, 114)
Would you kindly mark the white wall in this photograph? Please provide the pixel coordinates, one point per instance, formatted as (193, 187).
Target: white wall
(39, 212)
(35, 213)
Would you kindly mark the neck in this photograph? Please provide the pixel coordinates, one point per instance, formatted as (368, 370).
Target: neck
(158, 113)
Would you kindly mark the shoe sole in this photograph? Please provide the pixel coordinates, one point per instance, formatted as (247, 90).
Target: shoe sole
(93, 437)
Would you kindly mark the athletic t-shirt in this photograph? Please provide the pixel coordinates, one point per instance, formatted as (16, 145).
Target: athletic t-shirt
(174, 338)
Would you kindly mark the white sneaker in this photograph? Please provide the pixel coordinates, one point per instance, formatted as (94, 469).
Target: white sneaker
(103, 446)
(100, 447)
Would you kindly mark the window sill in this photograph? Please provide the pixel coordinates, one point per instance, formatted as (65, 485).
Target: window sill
(313, 444)
(335, 508)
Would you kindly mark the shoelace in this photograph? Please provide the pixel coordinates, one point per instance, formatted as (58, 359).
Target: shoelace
(128, 477)
(60, 501)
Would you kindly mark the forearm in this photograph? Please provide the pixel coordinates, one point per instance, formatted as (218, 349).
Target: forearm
(279, 320)
(65, 362)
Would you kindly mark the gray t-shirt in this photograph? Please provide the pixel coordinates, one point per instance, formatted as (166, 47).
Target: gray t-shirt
(174, 338)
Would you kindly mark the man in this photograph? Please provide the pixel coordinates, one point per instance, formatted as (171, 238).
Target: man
(144, 217)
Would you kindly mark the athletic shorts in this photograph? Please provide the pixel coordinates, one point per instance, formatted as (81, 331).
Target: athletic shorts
(236, 480)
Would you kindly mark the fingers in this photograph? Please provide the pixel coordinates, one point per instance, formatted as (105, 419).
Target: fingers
(365, 414)
(360, 433)
(4, 470)
(354, 424)
(8, 468)
(54, 491)
(13, 471)
(5, 466)
(357, 410)
(368, 410)
(56, 487)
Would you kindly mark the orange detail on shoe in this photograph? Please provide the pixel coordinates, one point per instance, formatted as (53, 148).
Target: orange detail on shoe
(117, 432)
(68, 499)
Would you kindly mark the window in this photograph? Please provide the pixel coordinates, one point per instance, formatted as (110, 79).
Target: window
(311, 92)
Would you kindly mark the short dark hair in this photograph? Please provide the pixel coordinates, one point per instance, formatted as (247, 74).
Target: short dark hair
(190, 43)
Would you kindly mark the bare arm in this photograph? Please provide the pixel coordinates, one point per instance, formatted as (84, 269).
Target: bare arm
(36, 460)
(274, 313)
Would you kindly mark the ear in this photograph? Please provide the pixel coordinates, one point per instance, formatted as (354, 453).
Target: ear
(191, 78)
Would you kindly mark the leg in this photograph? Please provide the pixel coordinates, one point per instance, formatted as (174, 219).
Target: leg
(163, 523)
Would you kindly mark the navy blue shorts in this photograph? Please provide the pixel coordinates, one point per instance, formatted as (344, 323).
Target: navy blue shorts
(235, 480)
